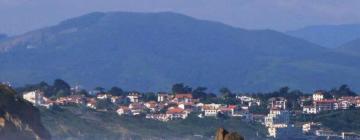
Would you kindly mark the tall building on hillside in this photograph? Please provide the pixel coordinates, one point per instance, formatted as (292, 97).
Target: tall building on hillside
(277, 103)
(277, 118)
(36, 97)
(134, 97)
(162, 97)
(318, 95)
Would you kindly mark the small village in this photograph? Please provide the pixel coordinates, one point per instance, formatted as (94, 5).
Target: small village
(174, 106)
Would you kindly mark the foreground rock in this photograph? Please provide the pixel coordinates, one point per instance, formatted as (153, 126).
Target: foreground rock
(19, 120)
(222, 134)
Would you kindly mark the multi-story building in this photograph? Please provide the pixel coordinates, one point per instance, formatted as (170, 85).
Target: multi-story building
(277, 118)
(163, 97)
(310, 128)
(36, 97)
(183, 98)
(318, 95)
(350, 136)
(309, 110)
(325, 105)
(174, 113)
(134, 97)
(248, 100)
(211, 110)
(277, 103)
(103, 96)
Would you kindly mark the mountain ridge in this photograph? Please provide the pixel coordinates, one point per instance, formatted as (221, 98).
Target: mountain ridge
(330, 36)
(152, 51)
(352, 47)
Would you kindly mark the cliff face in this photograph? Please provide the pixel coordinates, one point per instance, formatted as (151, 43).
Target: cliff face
(19, 119)
(222, 134)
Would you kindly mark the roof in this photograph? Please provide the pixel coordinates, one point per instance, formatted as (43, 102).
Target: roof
(175, 111)
(232, 107)
(152, 102)
(187, 95)
(277, 99)
(326, 101)
(123, 108)
(134, 94)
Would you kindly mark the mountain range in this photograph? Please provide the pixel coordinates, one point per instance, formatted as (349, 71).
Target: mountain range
(331, 36)
(3, 36)
(152, 51)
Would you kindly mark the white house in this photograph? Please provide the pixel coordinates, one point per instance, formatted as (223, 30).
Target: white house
(277, 103)
(277, 118)
(36, 97)
(103, 96)
(309, 110)
(318, 96)
(211, 110)
(174, 113)
(162, 97)
(123, 110)
(134, 97)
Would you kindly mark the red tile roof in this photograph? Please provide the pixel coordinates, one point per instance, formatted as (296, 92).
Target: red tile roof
(175, 111)
(187, 95)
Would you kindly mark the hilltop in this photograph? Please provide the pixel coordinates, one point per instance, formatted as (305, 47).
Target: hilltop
(150, 51)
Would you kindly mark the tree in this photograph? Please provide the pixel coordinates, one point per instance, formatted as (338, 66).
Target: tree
(100, 89)
(343, 90)
(61, 88)
(83, 92)
(181, 88)
(284, 90)
(199, 93)
(150, 96)
(105, 104)
(116, 91)
(262, 109)
(225, 93)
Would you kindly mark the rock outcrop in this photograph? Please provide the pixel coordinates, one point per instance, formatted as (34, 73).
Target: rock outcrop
(19, 120)
(222, 134)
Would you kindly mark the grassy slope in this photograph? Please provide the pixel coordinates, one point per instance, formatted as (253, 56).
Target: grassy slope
(341, 120)
(76, 123)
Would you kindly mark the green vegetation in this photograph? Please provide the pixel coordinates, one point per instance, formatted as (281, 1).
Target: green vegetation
(340, 120)
(74, 122)
(59, 88)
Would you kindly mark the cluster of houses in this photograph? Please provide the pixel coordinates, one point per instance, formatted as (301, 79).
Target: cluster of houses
(179, 105)
(278, 123)
(167, 107)
(318, 103)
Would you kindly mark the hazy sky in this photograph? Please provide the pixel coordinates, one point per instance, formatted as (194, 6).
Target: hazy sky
(17, 16)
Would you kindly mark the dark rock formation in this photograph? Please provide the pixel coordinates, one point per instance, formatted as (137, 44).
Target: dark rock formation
(19, 119)
(222, 134)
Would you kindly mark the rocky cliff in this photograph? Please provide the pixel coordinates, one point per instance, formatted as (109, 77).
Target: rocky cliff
(19, 120)
(222, 134)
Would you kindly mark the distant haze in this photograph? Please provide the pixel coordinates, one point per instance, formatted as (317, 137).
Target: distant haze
(18, 16)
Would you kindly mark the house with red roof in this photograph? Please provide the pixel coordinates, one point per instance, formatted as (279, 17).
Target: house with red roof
(176, 113)
(183, 98)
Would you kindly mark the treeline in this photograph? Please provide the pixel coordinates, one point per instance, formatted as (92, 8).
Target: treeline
(60, 88)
